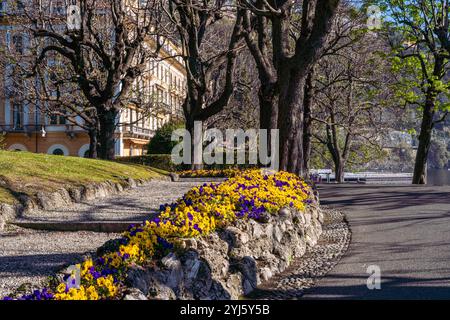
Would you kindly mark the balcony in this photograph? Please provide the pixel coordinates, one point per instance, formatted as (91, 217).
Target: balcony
(138, 132)
(20, 129)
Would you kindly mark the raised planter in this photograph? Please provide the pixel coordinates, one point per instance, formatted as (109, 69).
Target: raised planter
(229, 263)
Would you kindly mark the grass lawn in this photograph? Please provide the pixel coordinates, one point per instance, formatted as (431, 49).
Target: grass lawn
(28, 173)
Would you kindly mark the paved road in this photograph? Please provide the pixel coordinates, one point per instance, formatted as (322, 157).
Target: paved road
(405, 230)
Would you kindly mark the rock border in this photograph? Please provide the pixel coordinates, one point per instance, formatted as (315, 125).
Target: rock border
(229, 263)
(65, 197)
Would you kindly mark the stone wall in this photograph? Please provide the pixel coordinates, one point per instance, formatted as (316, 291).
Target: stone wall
(63, 197)
(232, 262)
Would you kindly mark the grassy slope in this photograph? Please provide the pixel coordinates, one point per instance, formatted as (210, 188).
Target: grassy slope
(23, 172)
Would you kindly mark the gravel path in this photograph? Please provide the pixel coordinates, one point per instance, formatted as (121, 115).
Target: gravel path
(29, 257)
(316, 263)
(132, 205)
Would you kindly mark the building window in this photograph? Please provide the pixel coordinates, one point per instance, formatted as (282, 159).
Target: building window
(58, 149)
(57, 119)
(17, 147)
(84, 151)
(58, 152)
(17, 116)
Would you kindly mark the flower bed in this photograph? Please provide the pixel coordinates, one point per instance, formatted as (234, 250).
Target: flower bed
(217, 173)
(247, 195)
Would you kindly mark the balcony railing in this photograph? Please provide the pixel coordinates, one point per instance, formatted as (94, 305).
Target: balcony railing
(24, 128)
(138, 131)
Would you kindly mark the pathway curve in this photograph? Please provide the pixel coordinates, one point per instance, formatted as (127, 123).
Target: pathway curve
(404, 230)
(304, 272)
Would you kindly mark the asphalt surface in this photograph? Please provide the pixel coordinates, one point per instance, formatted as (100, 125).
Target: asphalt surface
(402, 230)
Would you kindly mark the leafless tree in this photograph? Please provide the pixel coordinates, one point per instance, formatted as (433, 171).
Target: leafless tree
(210, 64)
(349, 95)
(286, 39)
(89, 68)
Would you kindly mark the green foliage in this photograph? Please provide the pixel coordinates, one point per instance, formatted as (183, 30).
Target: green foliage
(416, 51)
(2, 142)
(158, 161)
(161, 142)
(26, 173)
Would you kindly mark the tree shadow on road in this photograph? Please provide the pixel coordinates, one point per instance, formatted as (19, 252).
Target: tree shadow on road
(391, 288)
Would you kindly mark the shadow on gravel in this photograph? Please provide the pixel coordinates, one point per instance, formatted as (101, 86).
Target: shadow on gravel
(36, 265)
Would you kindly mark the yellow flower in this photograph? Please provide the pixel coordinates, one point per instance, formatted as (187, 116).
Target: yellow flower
(61, 288)
(92, 293)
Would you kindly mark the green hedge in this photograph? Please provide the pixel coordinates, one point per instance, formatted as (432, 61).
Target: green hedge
(159, 161)
(162, 143)
(164, 162)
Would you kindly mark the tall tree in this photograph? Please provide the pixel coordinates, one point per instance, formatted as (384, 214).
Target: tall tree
(421, 58)
(349, 95)
(209, 60)
(286, 38)
(348, 28)
(99, 54)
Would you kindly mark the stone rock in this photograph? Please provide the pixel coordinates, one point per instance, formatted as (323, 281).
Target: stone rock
(233, 261)
(277, 233)
(174, 177)
(266, 273)
(131, 182)
(189, 244)
(134, 294)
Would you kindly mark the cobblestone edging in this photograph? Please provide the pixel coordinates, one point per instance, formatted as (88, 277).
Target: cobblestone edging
(64, 197)
(304, 273)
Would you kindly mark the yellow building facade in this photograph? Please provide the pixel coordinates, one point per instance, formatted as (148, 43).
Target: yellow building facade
(26, 128)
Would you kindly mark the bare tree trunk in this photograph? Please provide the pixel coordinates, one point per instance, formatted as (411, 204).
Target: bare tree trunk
(420, 166)
(92, 143)
(290, 122)
(307, 121)
(106, 134)
(268, 111)
(339, 170)
(190, 128)
(268, 106)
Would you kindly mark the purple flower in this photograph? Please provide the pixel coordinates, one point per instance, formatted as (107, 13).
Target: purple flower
(164, 243)
(37, 295)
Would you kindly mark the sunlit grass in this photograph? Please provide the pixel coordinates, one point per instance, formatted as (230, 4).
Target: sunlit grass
(28, 173)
